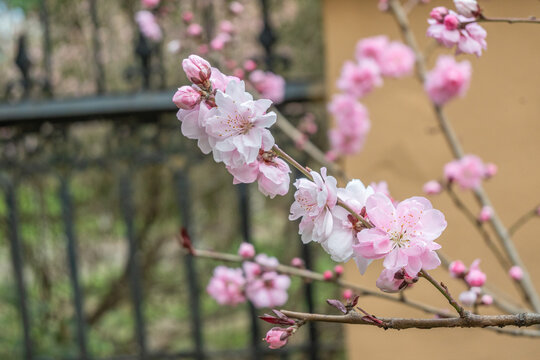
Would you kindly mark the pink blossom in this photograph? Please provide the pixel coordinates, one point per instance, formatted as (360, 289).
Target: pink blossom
(197, 70)
(246, 250)
(515, 273)
(252, 270)
(487, 299)
(468, 171)
(187, 16)
(381, 187)
(432, 187)
(457, 268)
(269, 290)
(269, 85)
(382, 5)
(226, 286)
(438, 13)
(308, 124)
(392, 281)
(267, 262)
(475, 276)
(468, 298)
(397, 60)
(313, 201)
(348, 294)
(193, 125)
(352, 125)
(218, 43)
(360, 78)
(339, 243)
(187, 97)
(338, 269)
(148, 25)
(194, 30)
(203, 49)
(372, 48)
(236, 7)
(150, 3)
(328, 275)
(238, 128)
(297, 262)
(250, 65)
(226, 26)
(239, 73)
(277, 338)
(491, 170)
(468, 8)
(403, 235)
(272, 174)
(485, 214)
(220, 81)
(448, 79)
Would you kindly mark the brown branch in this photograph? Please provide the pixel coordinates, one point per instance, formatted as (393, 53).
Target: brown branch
(509, 20)
(469, 321)
(443, 289)
(531, 214)
(526, 286)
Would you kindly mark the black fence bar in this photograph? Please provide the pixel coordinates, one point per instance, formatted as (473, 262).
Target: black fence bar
(96, 47)
(71, 251)
(245, 225)
(134, 266)
(182, 192)
(16, 258)
(47, 47)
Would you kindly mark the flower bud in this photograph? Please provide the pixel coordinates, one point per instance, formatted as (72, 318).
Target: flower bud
(348, 294)
(338, 269)
(432, 187)
(476, 277)
(276, 338)
(328, 275)
(246, 250)
(457, 268)
(250, 65)
(487, 299)
(468, 8)
(468, 298)
(451, 22)
(186, 98)
(197, 69)
(438, 13)
(297, 262)
(515, 273)
(485, 214)
(491, 170)
(187, 16)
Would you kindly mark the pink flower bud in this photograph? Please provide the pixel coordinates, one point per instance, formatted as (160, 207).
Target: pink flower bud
(515, 273)
(432, 187)
(239, 73)
(250, 65)
(438, 13)
(491, 170)
(451, 22)
(328, 275)
(150, 3)
(468, 8)
(485, 214)
(186, 98)
(338, 269)
(476, 277)
(194, 30)
(236, 8)
(297, 262)
(187, 16)
(487, 299)
(468, 298)
(457, 268)
(226, 26)
(276, 338)
(203, 49)
(348, 294)
(246, 250)
(197, 69)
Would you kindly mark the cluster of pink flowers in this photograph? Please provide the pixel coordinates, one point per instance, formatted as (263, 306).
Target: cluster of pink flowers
(447, 80)
(402, 234)
(451, 29)
(375, 57)
(256, 281)
(226, 120)
(468, 172)
(148, 25)
(475, 278)
(269, 85)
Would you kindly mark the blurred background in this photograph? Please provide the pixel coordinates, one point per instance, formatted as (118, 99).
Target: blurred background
(97, 179)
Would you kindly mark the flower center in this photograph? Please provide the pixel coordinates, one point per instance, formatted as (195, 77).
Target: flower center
(400, 239)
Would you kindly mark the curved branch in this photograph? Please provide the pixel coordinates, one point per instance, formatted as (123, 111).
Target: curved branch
(469, 321)
(523, 220)
(509, 20)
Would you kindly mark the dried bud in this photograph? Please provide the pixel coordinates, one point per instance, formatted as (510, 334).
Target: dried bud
(468, 8)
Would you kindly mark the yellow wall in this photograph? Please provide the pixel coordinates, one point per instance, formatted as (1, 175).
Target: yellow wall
(498, 120)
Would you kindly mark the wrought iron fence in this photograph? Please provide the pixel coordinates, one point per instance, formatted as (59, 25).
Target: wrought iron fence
(45, 144)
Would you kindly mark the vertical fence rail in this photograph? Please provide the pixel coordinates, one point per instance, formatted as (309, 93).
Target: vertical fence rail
(133, 261)
(71, 252)
(183, 200)
(16, 258)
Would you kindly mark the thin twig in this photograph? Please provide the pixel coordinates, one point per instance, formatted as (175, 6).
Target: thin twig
(509, 20)
(526, 285)
(468, 321)
(444, 290)
(531, 214)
